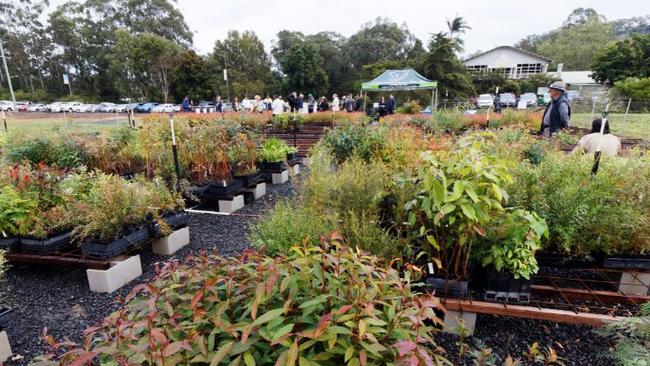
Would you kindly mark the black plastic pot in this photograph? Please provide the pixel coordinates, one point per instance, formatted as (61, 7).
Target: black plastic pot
(503, 287)
(10, 244)
(554, 260)
(272, 167)
(443, 287)
(250, 179)
(213, 192)
(48, 245)
(293, 159)
(174, 220)
(5, 315)
(627, 262)
(105, 250)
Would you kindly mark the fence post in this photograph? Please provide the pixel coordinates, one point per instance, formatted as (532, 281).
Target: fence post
(627, 110)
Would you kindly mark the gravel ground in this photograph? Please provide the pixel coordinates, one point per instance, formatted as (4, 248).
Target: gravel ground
(59, 299)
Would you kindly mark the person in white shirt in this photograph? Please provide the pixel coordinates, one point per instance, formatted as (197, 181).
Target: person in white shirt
(246, 104)
(611, 145)
(335, 103)
(278, 106)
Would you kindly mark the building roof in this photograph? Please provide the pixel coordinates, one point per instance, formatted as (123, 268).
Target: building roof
(540, 57)
(575, 77)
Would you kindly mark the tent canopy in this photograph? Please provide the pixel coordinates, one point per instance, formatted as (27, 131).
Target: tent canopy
(407, 79)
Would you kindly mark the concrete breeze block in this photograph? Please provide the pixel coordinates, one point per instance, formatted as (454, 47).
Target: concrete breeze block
(258, 191)
(280, 178)
(635, 283)
(296, 169)
(305, 161)
(172, 243)
(123, 270)
(236, 204)
(5, 347)
(453, 319)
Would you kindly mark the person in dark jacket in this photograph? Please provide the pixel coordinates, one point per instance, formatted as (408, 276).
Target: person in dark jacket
(558, 112)
(218, 104)
(349, 104)
(291, 99)
(390, 105)
(323, 106)
(383, 111)
(186, 104)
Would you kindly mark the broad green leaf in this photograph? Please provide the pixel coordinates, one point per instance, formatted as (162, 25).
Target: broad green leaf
(249, 360)
(286, 329)
(268, 316)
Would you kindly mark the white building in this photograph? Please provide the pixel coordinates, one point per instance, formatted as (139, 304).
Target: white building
(512, 62)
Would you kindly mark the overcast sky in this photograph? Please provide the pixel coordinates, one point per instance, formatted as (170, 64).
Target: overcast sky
(494, 23)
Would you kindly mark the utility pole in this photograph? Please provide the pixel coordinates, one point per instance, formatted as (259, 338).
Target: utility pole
(4, 62)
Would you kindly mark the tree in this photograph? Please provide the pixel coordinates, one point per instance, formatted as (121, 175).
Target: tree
(304, 70)
(380, 41)
(575, 44)
(457, 26)
(191, 77)
(440, 63)
(626, 58)
(249, 66)
(635, 88)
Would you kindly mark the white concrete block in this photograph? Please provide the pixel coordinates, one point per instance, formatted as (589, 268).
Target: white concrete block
(635, 283)
(5, 347)
(172, 243)
(456, 319)
(305, 161)
(236, 204)
(280, 178)
(258, 191)
(123, 270)
(296, 169)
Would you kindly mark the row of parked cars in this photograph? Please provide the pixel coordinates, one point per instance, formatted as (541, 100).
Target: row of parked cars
(510, 100)
(78, 107)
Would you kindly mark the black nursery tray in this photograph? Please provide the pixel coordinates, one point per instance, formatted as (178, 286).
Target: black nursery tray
(250, 179)
(213, 192)
(293, 159)
(46, 246)
(448, 288)
(116, 248)
(175, 221)
(627, 262)
(503, 287)
(5, 315)
(272, 167)
(11, 245)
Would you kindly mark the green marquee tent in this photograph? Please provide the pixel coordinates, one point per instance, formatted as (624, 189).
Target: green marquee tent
(407, 79)
(392, 80)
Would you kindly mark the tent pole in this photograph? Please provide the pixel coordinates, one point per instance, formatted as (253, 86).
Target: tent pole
(365, 101)
(436, 100)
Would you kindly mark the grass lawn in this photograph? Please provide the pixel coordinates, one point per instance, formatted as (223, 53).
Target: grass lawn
(42, 124)
(636, 125)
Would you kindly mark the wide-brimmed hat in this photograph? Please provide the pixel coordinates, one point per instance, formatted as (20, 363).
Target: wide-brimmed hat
(558, 85)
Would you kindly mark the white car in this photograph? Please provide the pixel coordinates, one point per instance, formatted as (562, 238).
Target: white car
(485, 101)
(106, 107)
(166, 108)
(36, 107)
(121, 108)
(57, 107)
(7, 105)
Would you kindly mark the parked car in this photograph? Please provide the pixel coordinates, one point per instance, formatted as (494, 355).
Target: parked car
(72, 106)
(58, 107)
(22, 106)
(7, 105)
(106, 107)
(146, 107)
(485, 101)
(572, 95)
(36, 107)
(121, 108)
(204, 107)
(530, 98)
(132, 106)
(166, 108)
(507, 100)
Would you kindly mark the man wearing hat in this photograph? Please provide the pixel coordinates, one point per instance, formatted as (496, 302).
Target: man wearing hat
(558, 111)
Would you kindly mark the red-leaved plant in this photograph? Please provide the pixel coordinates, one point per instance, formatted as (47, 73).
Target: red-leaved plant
(323, 305)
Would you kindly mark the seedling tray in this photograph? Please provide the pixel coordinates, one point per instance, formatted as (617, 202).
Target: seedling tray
(628, 262)
(116, 248)
(46, 246)
(448, 288)
(175, 221)
(11, 245)
(250, 179)
(272, 167)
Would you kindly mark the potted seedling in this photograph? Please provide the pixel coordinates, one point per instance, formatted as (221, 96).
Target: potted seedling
(168, 207)
(15, 211)
(460, 191)
(242, 152)
(272, 156)
(508, 253)
(115, 216)
(4, 311)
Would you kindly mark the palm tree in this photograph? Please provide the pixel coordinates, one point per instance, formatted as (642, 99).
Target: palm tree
(457, 26)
